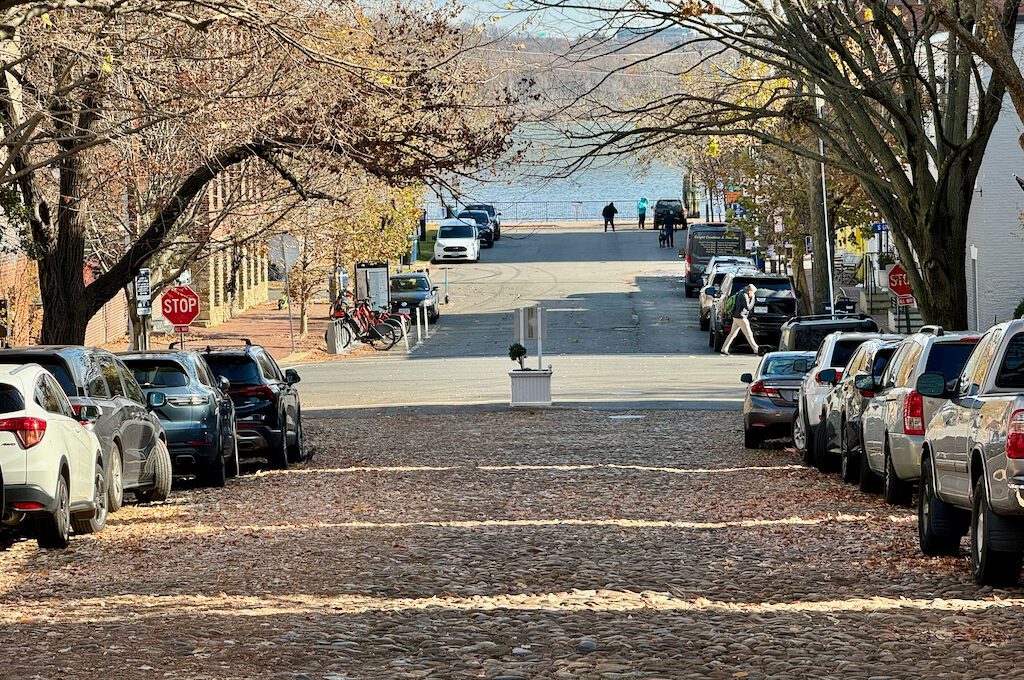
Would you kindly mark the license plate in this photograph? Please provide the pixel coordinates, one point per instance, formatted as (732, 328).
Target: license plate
(761, 309)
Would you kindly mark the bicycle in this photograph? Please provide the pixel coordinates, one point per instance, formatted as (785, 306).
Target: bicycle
(360, 322)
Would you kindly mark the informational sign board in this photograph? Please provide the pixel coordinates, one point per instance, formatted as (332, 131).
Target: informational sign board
(905, 301)
(899, 280)
(879, 227)
(373, 284)
(143, 293)
(180, 306)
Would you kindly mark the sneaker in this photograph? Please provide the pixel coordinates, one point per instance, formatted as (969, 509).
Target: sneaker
(725, 354)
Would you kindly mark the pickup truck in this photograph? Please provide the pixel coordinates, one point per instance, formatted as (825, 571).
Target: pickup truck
(972, 460)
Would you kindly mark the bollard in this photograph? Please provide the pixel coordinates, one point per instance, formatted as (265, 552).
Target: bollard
(426, 324)
(405, 330)
(419, 337)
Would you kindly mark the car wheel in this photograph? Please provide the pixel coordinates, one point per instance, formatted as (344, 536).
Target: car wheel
(751, 439)
(939, 524)
(435, 314)
(990, 566)
(799, 431)
(297, 451)
(869, 479)
(216, 473)
(849, 462)
(717, 341)
(115, 480)
(159, 464)
(234, 468)
(704, 323)
(688, 291)
(279, 459)
(895, 491)
(822, 458)
(53, 530)
(98, 520)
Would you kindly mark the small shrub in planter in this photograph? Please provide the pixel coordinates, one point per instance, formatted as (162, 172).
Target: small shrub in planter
(517, 352)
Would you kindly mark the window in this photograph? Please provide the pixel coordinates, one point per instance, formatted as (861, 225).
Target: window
(409, 284)
(11, 399)
(882, 360)
(456, 232)
(855, 363)
(109, 371)
(157, 373)
(906, 369)
(888, 380)
(978, 364)
(46, 397)
(95, 382)
(269, 367)
(131, 386)
(203, 373)
(58, 394)
(844, 349)
(786, 366)
(1011, 373)
(948, 358)
(240, 370)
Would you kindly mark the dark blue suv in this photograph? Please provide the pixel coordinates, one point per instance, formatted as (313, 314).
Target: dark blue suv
(198, 416)
(268, 415)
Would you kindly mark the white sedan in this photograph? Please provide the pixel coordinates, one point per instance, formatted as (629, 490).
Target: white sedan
(52, 464)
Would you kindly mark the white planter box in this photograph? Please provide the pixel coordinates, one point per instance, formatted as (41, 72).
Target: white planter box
(531, 388)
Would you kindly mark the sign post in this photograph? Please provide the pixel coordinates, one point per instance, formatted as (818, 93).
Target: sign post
(899, 284)
(180, 306)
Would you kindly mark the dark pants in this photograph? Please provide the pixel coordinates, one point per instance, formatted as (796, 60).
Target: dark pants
(669, 240)
(643, 218)
(609, 221)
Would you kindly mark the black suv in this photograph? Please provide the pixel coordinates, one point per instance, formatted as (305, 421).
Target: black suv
(268, 415)
(490, 210)
(774, 304)
(199, 416)
(669, 206)
(135, 454)
(806, 333)
(483, 223)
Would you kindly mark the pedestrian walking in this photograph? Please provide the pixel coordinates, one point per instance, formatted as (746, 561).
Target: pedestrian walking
(641, 211)
(668, 228)
(609, 213)
(743, 305)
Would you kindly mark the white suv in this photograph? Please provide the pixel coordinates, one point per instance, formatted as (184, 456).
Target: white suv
(52, 463)
(834, 352)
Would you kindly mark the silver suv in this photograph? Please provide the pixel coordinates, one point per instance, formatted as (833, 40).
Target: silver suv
(893, 424)
(972, 463)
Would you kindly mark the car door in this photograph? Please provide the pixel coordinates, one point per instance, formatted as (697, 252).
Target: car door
(289, 394)
(148, 423)
(127, 426)
(873, 420)
(221, 402)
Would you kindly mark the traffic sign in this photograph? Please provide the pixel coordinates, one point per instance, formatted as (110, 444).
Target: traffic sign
(879, 227)
(143, 293)
(180, 305)
(899, 280)
(181, 329)
(905, 301)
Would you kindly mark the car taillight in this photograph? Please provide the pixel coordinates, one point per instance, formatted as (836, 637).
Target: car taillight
(259, 391)
(193, 400)
(913, 413)
(1015, 435)
(758, 388)
(29, 431)
(689, 263)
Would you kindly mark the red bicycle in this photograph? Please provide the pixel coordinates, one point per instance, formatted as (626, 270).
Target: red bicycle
(361, 322)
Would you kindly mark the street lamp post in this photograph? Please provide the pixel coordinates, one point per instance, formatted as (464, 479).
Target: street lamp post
(824, 210)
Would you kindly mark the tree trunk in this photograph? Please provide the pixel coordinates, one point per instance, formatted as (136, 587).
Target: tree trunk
(942, 291)
(819, 256)
(303, 319)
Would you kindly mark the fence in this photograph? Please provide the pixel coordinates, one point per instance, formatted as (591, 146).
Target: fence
(553, 211)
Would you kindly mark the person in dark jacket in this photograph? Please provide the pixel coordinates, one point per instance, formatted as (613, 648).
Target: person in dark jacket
(741, 319)
(668, 227)
(609, 213)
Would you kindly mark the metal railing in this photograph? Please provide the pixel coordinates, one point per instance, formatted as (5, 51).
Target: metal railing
(553, 211)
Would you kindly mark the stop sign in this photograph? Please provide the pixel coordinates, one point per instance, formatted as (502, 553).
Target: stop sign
(899, 281)
(180, 305)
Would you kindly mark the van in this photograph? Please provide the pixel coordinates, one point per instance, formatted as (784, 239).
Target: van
(704, 241)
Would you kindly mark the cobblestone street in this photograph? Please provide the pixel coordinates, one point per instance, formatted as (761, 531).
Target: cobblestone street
(569, 543)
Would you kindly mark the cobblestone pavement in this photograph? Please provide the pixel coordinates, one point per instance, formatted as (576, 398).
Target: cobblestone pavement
(561, 544)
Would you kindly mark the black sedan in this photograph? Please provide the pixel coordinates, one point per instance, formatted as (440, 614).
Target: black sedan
(483, 223)
(199, 416)
(410, 291)
(135, 455)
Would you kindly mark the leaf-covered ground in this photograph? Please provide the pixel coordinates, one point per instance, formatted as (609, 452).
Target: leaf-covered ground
(518, 545)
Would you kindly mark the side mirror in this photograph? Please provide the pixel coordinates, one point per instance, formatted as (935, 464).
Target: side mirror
(746, 378)
(828, 375)
(864, 382)
(434, 289)
(156, 400)
(89, 413)
(798, 294)
(932, 385)
(224, 384)
(711, 291)
(291, 376)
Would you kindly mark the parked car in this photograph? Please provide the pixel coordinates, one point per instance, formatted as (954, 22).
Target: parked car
(807, 332)
(457, 240)
(664, 207)
(53, 476)
(895, 418)
(268, 412)
(727, 263)
(840, 428)
(412, 291)
(713, 285)
(198, 416)
(770, 401)
(703, 242)
(774, 303)
(494, 214)
(483, 225)
(135, 455)
(835, 352)
(972, 461)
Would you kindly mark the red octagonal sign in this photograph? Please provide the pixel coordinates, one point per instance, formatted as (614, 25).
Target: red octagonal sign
(899, 281)
(180, 305)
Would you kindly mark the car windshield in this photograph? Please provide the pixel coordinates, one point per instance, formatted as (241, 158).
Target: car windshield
(765, 287)
(455, 231)
(11, 400)
(239, 370)
(409, 284)
(882, 357)
(1011, 373)
(54, 365)
(489, 209)
(948, 358)
(476, 216)
(844, 349)
(157, 372)
(786, 366)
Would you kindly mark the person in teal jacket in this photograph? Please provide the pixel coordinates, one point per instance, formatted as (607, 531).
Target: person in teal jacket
(641, 211)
